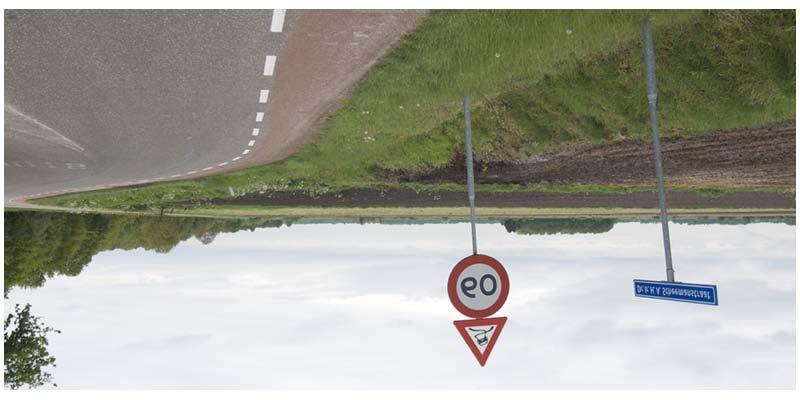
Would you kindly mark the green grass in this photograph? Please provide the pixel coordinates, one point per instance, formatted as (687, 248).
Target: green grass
(539, 80)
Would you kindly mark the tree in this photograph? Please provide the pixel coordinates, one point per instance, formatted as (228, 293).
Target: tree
(40, 245)
(550, 226)
(25, 346)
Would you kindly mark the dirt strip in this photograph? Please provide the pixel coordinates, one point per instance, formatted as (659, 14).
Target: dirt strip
(752, 157)
(410, 198)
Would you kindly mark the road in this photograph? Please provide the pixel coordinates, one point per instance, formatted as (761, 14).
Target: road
(97, 99)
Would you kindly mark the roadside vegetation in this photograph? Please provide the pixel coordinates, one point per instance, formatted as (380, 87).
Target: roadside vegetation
(538, 80)
(42, 245)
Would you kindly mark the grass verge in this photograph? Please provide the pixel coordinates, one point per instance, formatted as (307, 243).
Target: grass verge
(540, 80)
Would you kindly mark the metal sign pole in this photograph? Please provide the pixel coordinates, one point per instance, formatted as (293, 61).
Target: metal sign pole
(470, 175)
(649, 62)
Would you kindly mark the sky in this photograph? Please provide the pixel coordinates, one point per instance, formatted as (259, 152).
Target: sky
(348, 306)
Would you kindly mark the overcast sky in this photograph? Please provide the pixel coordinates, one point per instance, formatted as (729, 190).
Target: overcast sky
(365, 306)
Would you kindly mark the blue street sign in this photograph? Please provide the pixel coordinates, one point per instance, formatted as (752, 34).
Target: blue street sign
(686, 292)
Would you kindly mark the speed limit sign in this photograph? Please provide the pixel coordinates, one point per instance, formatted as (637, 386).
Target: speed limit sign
(478, 286)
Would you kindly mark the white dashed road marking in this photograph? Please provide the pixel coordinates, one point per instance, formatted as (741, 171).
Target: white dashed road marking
(45, 164)
(277, 20)
(269, 65)
(263, 96)
(278, 17)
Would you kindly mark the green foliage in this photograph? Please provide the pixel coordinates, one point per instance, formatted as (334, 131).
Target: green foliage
(724, 69)
(551, 226)
(39, 245)
(25, 350)
(539, 80)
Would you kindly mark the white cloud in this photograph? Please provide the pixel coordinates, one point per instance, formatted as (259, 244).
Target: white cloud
(364, 306)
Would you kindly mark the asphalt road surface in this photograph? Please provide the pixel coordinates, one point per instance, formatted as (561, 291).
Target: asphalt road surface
(96, 98)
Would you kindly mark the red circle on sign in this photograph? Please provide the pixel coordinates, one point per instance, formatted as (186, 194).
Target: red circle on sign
(464, 264)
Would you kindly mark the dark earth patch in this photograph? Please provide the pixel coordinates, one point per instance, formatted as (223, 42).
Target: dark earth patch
(754, 158)
(410, 198)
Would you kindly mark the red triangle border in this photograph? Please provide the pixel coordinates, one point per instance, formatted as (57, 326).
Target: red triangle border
(461, 328)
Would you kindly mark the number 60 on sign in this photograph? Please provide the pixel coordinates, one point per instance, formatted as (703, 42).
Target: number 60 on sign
(478, 286)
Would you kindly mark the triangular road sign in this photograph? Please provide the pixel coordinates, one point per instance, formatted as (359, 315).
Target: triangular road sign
(481, 335)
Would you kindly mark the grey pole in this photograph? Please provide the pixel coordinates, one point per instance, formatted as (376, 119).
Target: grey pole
(649, 62)
(470, 175)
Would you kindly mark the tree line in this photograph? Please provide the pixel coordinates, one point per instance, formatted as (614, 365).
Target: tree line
(40, 245)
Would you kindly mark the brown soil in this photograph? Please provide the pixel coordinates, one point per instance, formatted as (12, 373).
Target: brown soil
(763, 157)
(410, 198)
